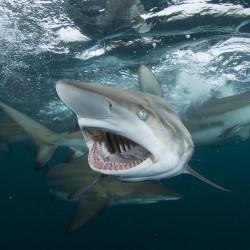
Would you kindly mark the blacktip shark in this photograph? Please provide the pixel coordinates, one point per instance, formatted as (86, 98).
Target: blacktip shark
(217, 120)
(131, 135)
(45, 139)
(97, 193)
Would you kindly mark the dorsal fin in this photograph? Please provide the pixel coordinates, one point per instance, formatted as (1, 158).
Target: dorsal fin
(189, 170)
(148, 82)
(85, 211)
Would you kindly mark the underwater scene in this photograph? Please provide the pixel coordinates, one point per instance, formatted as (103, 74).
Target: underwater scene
(124, 124)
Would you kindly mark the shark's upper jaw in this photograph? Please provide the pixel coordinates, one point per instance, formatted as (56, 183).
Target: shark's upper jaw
(111, 152)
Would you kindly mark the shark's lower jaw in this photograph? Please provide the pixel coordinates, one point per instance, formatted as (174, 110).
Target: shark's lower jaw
(111, 152)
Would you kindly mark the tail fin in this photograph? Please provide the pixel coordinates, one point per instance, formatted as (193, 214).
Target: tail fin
(43, 137)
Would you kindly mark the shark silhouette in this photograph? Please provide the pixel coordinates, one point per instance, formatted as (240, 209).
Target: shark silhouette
(131, 135)
(46, 140)
(75, 181)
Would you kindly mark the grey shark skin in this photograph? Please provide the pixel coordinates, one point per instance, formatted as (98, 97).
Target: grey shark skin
(69, 177)
(217, 120)
(46, 140)
(131, 135)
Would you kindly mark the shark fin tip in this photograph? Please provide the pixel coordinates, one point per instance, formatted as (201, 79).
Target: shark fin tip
(38, 166)
(189, 170)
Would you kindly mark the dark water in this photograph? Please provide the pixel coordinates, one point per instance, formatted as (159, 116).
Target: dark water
(206, 51)
(205, 218)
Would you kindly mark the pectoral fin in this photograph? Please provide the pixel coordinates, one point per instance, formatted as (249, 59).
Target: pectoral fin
(230, 131)
(81, 191)
(189, 170)
(86, 210)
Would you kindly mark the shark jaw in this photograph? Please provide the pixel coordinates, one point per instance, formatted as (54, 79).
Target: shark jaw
(110, 152)
(132, 136)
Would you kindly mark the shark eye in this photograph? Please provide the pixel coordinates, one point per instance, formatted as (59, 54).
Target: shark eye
(142, 114)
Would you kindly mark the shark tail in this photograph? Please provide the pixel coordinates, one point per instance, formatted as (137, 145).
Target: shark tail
(189, 170)
(44, 138)
(86, 210)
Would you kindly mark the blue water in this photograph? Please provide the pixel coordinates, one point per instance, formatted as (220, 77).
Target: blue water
(199, 56)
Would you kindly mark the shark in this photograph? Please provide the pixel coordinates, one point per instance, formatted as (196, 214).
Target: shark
(216, 120)
(44, 138)
(75, 181)
(131, 135)
(200, 122)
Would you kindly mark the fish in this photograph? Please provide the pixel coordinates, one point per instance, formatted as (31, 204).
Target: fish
(75, 181)
(47, 141)
(216, 120)
(131, 135)
(44, 138)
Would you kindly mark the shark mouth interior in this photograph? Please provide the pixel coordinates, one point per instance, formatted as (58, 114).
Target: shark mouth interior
(114, 152)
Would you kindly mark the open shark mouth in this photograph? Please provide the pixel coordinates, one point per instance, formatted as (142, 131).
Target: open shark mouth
(114, 152)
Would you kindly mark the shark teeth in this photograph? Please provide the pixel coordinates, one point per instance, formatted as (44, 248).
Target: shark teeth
(114, 152)
(105, 151)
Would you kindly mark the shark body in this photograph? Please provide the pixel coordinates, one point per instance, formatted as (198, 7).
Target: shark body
(131, 135)
(217, 120)
(74, 180)
(65, 181)
(125, 150)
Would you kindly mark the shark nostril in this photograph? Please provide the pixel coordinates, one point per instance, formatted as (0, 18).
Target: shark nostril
(110, 106)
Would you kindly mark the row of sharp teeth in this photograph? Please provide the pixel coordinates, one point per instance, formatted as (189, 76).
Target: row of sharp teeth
(114, 162)
(115, 143)
(116, 156)
(119, 166)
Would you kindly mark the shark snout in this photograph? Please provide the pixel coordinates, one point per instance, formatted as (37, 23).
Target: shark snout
(82, 100)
